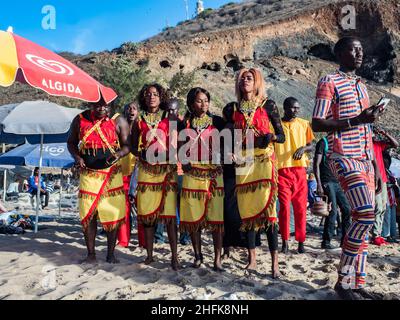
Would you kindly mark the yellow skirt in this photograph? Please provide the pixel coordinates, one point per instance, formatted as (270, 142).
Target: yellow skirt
(202, 199)
(156, 198)
(102, 191)
(257, 189)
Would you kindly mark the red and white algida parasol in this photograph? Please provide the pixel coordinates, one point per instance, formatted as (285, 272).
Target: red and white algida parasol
(27, 62)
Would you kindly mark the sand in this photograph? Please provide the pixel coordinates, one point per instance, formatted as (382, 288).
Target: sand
(47, 266)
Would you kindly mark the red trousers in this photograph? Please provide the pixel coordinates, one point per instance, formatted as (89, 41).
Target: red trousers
(292, 189)
(124, 232)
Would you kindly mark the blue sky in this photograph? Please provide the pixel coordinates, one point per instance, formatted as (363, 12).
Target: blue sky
(95, 25)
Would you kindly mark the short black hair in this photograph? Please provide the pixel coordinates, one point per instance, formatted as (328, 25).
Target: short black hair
(191, 96)
(289, 102)
(343, 43)
(142, 95)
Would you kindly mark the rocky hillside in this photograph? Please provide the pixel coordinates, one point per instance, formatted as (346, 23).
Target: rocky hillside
(290, 40)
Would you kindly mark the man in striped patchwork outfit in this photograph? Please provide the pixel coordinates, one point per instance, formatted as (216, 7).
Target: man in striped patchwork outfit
(343, 110)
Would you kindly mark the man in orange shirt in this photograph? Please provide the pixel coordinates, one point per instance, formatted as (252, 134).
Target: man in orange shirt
(292, 174)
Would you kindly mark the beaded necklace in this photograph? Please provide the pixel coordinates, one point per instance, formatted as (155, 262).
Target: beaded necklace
(200, 124)
(152, 119)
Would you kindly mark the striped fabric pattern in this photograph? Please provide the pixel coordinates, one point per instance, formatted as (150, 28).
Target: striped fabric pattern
(339, 97)
(357, 178)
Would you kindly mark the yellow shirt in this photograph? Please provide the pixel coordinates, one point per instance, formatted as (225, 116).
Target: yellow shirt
(298, 134)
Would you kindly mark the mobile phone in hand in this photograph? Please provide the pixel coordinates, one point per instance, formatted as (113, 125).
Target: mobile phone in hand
(382, 104)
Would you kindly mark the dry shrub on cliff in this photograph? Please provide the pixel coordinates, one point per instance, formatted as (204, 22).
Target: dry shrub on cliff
(180, 84)
(124, 77)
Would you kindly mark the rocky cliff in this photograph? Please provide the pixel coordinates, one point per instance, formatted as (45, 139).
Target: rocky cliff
(290, 40)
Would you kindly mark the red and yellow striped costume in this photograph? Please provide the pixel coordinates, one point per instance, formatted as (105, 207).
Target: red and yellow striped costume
(256, 181)
(100, 191)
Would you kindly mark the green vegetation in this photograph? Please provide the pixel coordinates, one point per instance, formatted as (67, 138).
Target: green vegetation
(125, 77)
(180, 84)
(129, 47)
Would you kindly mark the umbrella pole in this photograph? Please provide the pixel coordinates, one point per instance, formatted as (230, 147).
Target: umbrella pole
(59, 205)
(39, 185)
(4, 185)
(5, 175)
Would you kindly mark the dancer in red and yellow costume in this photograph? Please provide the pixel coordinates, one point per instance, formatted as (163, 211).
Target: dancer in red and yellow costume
(202, 196)
(256, 177)
(157, 181)
(97, 142)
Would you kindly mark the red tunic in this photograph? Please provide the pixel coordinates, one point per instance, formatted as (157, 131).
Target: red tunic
(161, 142)
(260, 121)
(204, 145)
(94, 141)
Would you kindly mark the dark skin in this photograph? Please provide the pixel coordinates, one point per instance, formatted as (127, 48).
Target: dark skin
(131, 115)
(291, 113)
(317, 162)
(350, 59)
(153, 101)
(101, 111)
(200, 109)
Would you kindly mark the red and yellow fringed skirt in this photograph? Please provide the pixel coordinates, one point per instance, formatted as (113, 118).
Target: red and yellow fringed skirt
(156, 198)
(202, 199)
(257, 189)
(102, 192)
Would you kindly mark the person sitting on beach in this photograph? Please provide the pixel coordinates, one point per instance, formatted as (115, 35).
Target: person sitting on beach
(13, 189)
(97, 142)
(50, 184)
(3, 208)
(33, 187)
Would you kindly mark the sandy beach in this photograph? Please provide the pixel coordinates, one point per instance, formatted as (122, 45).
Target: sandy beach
(47, 266)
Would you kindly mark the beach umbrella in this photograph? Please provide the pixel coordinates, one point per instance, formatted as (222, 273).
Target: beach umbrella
(54, 155)
(39, 118)
(26, 62)
(395, 168)
(11, 138)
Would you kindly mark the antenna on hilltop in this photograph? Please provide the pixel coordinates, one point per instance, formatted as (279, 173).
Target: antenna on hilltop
(187, 9)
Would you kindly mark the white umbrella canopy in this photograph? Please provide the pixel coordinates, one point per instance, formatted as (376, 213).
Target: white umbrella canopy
(38, 118)
(395, 168)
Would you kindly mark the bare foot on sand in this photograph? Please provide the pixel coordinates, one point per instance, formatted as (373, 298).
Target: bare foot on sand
(148, 260)
(112, 260)
(175, 265)
(251, 266)
(90, 259)
(276, 274)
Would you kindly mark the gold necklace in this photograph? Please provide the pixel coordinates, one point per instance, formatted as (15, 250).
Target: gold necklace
(152, 119)
(249, 109)
(200, 124)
